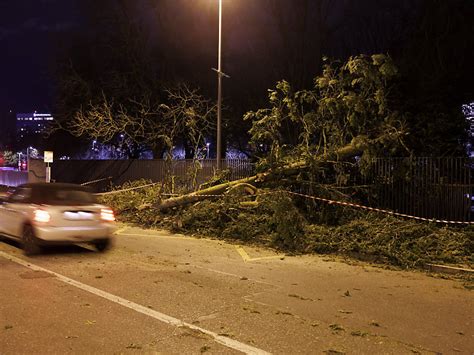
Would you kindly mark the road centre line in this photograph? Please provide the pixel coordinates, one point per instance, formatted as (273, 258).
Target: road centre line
(228, 342)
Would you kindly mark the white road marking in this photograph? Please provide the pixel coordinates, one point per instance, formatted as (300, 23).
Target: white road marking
(230, 343)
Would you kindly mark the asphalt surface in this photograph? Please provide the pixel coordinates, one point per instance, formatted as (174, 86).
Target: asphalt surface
(169, 294)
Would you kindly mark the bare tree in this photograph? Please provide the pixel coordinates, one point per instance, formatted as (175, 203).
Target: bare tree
(185, 117)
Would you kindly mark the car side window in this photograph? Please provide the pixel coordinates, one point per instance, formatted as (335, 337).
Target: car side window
(20, 195)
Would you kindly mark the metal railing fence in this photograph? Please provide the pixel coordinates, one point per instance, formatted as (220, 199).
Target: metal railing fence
(438, 188)
(435, 188)
(186, 174)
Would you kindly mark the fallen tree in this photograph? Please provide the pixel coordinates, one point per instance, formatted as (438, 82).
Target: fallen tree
(346, 114)
(356, 147)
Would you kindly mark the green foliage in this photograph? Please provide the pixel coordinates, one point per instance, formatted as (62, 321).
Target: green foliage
(394, 241)
(219, 177)
(287, 222)
(126, 203)
(225, 218)
(275, 220)
(349, 102)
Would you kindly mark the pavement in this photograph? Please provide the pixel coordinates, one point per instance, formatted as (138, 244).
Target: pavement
(156, 292)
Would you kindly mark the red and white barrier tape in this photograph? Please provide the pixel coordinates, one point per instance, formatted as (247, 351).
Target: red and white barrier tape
(354, 205)
(94, 181)
(331, 202)
(375, 209)
(128, 189)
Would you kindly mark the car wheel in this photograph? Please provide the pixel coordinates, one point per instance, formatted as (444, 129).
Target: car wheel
(102, 245)
(30, 244)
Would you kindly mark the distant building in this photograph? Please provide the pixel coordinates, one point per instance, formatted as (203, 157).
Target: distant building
(30, 127)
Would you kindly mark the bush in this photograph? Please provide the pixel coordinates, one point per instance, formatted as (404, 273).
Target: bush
(391, 240)
(287, 224)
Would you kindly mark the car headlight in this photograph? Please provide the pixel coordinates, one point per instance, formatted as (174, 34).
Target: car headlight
(41, 216)
(106, 214)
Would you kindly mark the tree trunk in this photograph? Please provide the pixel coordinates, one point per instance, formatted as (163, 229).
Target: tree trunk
(351, 150)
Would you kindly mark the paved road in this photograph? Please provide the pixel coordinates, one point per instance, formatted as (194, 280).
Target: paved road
(160, 293)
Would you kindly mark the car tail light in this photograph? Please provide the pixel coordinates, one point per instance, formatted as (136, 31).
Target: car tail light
(106, 214)
(41, 216)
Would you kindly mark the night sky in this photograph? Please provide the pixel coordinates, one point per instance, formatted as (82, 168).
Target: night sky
(27, 38)
(29, 30)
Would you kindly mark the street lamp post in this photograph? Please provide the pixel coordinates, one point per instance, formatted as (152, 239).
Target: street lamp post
(28, 158)
(220, 74)
(219, 92)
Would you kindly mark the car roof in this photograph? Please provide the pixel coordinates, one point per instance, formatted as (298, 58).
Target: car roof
(54, 185)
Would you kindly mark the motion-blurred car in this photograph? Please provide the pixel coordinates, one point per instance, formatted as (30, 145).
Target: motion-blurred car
(40, 214)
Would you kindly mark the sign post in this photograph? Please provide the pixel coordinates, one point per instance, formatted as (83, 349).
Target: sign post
(48, 158)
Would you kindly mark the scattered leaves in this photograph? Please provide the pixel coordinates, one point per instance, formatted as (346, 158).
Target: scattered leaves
(336, 327)
(134, 346)
(345, 312)
(358, 333)
(300, 297)
(284, 313)
(204, 349)
(333, 352)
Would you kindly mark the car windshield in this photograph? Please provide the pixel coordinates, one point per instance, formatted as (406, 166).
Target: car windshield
(61, 195)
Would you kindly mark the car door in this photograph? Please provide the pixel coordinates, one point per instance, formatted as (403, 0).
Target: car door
(13, 211)
(3, 212)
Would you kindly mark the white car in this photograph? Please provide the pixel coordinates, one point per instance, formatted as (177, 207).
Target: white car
(39, 214)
